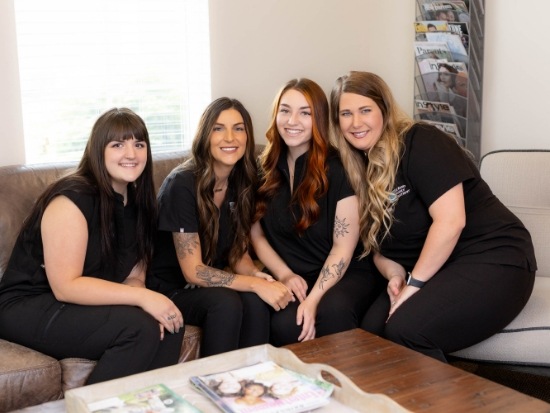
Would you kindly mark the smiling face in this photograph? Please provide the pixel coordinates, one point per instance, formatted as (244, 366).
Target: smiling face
(294, 121)
(360, 120)
(227, 140)
(125, 160)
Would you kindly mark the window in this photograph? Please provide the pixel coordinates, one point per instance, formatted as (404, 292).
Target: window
(79, 59)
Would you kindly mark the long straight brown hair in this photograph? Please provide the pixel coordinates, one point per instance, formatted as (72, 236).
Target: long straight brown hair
(242, 181)
(91, 176)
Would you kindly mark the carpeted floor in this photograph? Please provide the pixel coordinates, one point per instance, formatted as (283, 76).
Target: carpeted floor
(532, 383)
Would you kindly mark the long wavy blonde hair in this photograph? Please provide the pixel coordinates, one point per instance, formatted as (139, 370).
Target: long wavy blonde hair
(372, 174)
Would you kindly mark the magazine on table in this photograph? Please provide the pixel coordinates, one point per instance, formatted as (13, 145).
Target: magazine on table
(153, 399)
(264, 387)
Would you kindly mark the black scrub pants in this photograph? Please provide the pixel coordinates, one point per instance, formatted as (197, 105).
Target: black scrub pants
(341, 308)
(229, 319)
(463, 304)
(123, 339)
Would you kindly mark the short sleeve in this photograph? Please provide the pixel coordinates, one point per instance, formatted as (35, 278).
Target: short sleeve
(177, 203)
(433, 163)
(339, 183)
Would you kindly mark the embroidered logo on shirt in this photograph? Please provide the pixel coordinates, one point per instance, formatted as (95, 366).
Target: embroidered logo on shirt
(397, 193)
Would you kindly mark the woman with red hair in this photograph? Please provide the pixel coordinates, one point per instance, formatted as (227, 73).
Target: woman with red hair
(306, 228)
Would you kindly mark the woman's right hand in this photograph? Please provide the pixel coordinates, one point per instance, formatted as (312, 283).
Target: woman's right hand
(274, 293)
(164, 311)
(296, 284)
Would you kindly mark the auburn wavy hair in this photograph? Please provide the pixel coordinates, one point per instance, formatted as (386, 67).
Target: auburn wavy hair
(242, 180)
(315, 181)
(372, 174)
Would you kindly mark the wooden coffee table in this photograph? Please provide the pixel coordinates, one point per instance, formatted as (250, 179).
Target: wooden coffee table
(417, 382)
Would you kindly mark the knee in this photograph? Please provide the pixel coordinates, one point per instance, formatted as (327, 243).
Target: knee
(224, 300)
(138, 324)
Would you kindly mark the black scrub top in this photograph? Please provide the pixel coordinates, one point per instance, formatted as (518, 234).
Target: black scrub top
(306, 254)
(177, 202)
(25, 274)
(433, 163)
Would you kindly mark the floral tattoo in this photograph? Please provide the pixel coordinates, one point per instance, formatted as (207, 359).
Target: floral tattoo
(214, 277)
(185, 244)
(340, 227)
(334, 271)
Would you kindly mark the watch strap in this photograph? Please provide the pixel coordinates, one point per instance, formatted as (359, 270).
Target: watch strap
(414, 282)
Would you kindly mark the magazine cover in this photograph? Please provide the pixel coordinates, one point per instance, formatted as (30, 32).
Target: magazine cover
(430, 106)
(264, 387)
(453, 41)
(424, 26)
(153, 399)
(431, 50)
(451, 11)
(449, 128)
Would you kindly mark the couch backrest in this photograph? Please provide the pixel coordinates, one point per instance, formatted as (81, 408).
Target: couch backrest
(521, 180)
(21, 185)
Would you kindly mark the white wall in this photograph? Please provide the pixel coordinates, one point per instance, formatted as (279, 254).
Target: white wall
(12, 147)
(516, 81)
(258, 45)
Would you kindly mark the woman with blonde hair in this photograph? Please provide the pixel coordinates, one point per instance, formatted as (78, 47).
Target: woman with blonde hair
(306, 230)
(460, 266)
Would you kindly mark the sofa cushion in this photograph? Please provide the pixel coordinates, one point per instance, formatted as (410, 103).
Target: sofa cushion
(27, 377)
(75, 372)
(523, 340)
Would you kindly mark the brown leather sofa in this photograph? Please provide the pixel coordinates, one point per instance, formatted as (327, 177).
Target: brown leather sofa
(28, 377)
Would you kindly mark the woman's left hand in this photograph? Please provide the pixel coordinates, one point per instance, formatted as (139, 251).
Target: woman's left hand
(407, 292)
(305, 316)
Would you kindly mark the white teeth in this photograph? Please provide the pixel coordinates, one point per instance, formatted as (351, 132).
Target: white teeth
(232, 149)
(127, 164)
(359, 134)
(294, 131)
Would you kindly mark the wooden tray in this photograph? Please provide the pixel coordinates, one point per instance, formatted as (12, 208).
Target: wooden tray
(347, 397)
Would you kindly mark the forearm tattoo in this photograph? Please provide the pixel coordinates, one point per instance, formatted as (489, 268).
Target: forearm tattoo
(186, 244)
(340, 227)
(214, 277)
(334, 271)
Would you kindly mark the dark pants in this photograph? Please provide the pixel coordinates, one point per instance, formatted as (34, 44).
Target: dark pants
(461, 305)
(229, 319)
(341, 308)
(123, 339)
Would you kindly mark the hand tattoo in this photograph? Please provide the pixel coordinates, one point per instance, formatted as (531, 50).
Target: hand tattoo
(186, 243)
(327, 274)
(214, 277)
(340, 227)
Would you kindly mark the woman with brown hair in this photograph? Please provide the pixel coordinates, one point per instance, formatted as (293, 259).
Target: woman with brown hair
(206, 207)
(74, 285)
(307, 223)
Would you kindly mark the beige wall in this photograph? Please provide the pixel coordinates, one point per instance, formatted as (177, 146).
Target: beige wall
(257, 45)
(516, 84)
(12, 148)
